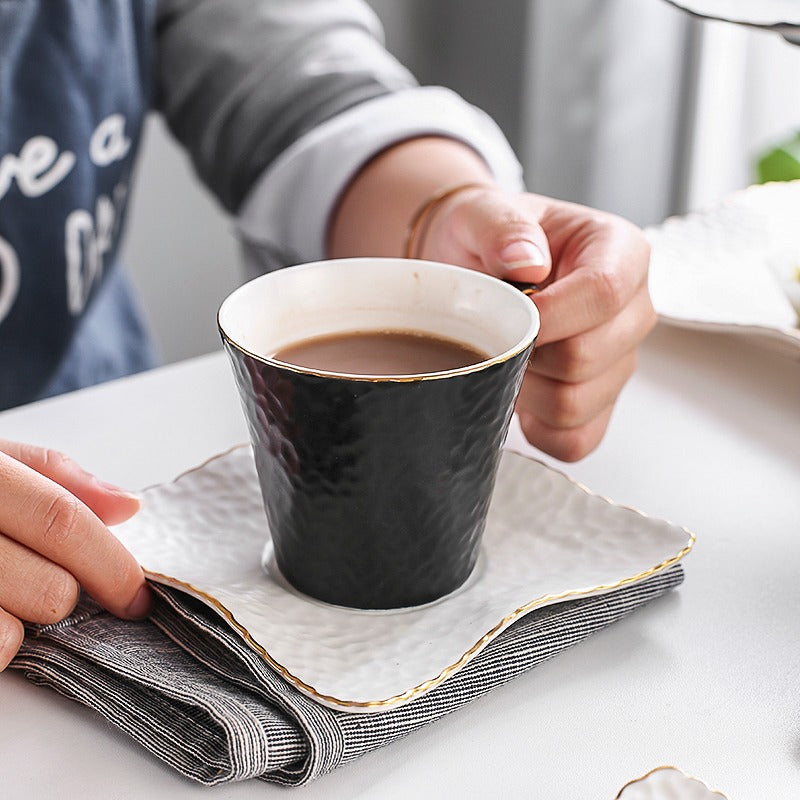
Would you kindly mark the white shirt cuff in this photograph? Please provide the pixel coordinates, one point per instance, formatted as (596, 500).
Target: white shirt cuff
(283, 219)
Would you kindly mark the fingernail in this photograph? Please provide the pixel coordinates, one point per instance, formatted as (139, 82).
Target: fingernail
(117, 490)
(521, 255)
(142, 604)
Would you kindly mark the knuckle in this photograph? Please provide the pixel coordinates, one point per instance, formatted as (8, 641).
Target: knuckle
(626, 232)
(29, 454)
(59, 595)
(42, 459)
(53, 459)
(575, 359)
(567, 406)
(126, 574)
(609, 291)
(60, 517)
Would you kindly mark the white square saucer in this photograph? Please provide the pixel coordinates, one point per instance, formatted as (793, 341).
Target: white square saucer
(548, 539)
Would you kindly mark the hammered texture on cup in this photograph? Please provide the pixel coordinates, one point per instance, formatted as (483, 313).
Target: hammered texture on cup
(376, 491)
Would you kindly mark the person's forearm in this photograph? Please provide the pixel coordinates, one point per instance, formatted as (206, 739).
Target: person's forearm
(373, 214)
(239, 83)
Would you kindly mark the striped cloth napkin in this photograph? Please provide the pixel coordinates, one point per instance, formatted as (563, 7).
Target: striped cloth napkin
(187, 688)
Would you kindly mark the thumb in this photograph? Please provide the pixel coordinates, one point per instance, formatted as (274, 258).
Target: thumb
(524, 258)
(496, 232)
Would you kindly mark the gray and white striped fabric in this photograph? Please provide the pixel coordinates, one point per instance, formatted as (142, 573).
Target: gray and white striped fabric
(186, 686)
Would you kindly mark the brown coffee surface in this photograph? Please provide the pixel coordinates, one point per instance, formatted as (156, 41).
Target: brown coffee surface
(380, 353)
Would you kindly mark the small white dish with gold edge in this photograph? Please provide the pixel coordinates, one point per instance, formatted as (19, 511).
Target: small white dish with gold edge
(667, 783)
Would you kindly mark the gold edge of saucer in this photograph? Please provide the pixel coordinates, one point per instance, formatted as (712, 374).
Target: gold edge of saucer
(343, 704)
(425, 686)
(714, 792)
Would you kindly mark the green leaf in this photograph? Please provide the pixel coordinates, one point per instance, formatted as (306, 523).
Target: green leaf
(781, 163)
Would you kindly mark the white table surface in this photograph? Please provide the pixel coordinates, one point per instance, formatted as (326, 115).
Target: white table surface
(707, 434)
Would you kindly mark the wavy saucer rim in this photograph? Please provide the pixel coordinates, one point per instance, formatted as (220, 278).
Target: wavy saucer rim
(365, 706)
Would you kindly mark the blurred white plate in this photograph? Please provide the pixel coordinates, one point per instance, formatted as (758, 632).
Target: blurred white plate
(733, 268)
(548, 539)
(667, 783)
(761, 13)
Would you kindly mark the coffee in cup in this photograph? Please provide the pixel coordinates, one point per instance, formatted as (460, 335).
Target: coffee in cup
(380, 353)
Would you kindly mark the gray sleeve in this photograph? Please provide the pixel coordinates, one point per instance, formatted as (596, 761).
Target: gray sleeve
(239, 81)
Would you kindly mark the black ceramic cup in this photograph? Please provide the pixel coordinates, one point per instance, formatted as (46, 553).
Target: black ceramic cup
(376, 488)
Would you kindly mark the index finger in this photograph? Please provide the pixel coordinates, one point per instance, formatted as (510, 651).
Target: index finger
(598, 269)
(42, 515)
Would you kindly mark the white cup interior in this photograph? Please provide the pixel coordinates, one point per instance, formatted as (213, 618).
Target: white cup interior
(373, 294)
